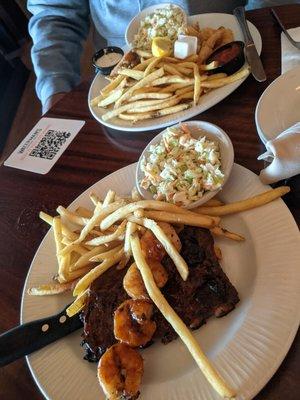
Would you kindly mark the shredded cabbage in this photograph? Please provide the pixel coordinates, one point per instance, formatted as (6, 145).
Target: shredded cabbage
(180, 169)
(163, 22)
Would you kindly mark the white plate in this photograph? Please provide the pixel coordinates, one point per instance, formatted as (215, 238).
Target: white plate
(197, 128)
(279, 106)
(247, 346)
(213, 20)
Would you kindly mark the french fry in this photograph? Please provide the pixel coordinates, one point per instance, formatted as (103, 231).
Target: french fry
(178, 325)
(174, 86)
(172, 60)
(112, 98)
(63, 268)
(113, 84)
(179, 262)
(109, 198)
(192, 58)
(171, 101)
(96, 100)
(208, 67)
(152, 66)
(215, 83)
(78, 304)
(94, 199)
(155, 114)
(100, 213)
(143, 82)
(137, 117)
(172, 79)
(123, 262)
(150, 95)
(247, 204)
(146, 89)
(184, 90)
(117, 235)
(130, 106)
(106, 254)
(84, 260)
(189, 95)
(186, 219)
(65, 231)
(46, 217)
(171, 69)
(57, 234)
(120, 78)
(216, 76)
(122, 212)
(77, 248)
(130, 229)
(143, 65)
(78, 273)
(131, 73)
(218, 231)
(187, 64)
(197, 88)
(71, 216)
(63, 261)
(213, 203)
(173, 109)
(184, 71)
(94, 273)
(51, 289)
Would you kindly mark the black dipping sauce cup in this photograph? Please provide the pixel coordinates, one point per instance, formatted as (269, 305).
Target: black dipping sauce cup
(100, 53)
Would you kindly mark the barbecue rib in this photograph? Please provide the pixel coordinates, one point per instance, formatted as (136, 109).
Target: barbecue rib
(206, 292)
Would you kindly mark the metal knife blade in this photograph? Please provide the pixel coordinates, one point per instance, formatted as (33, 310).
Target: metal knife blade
(252, 56)
(27, 338)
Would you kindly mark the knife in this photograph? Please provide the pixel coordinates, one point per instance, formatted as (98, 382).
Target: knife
(252, 56)
(27, 338)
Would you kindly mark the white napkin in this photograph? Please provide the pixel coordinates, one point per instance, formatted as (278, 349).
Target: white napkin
(283, 153)
(290, 55)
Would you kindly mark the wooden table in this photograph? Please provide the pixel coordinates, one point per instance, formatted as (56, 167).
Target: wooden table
(95, 153)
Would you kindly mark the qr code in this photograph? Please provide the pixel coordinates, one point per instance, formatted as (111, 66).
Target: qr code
(49, 146)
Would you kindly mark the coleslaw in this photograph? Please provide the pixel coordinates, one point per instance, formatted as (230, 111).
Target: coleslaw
(180, 168)
(164, 22)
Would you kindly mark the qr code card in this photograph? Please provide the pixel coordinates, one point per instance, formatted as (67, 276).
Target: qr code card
(44, 144)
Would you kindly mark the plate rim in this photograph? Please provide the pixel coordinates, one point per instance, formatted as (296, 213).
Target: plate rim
(194, 110)
(256, 388)
(265, 93)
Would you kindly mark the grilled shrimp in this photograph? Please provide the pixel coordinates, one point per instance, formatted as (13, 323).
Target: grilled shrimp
(133, 324)
(154, 253)
(171, 233)
(152, 248)
(133, 281)
(120, 372)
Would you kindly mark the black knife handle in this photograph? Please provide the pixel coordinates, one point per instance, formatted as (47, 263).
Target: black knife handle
(239, 13)
(27, 338)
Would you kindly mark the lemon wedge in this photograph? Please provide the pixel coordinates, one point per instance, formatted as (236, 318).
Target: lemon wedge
(162, 47)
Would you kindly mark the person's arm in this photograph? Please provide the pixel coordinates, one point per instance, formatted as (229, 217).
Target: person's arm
(57, 28)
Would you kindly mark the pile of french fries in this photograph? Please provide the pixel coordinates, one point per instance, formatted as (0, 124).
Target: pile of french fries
(160, 86)
(101, 236)
(109, 235)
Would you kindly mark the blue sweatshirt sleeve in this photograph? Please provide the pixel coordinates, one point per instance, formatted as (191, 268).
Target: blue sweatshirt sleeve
(57, 28)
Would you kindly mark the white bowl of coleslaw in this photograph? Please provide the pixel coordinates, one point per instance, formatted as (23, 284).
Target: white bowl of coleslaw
(158, 20)
(186, 164)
